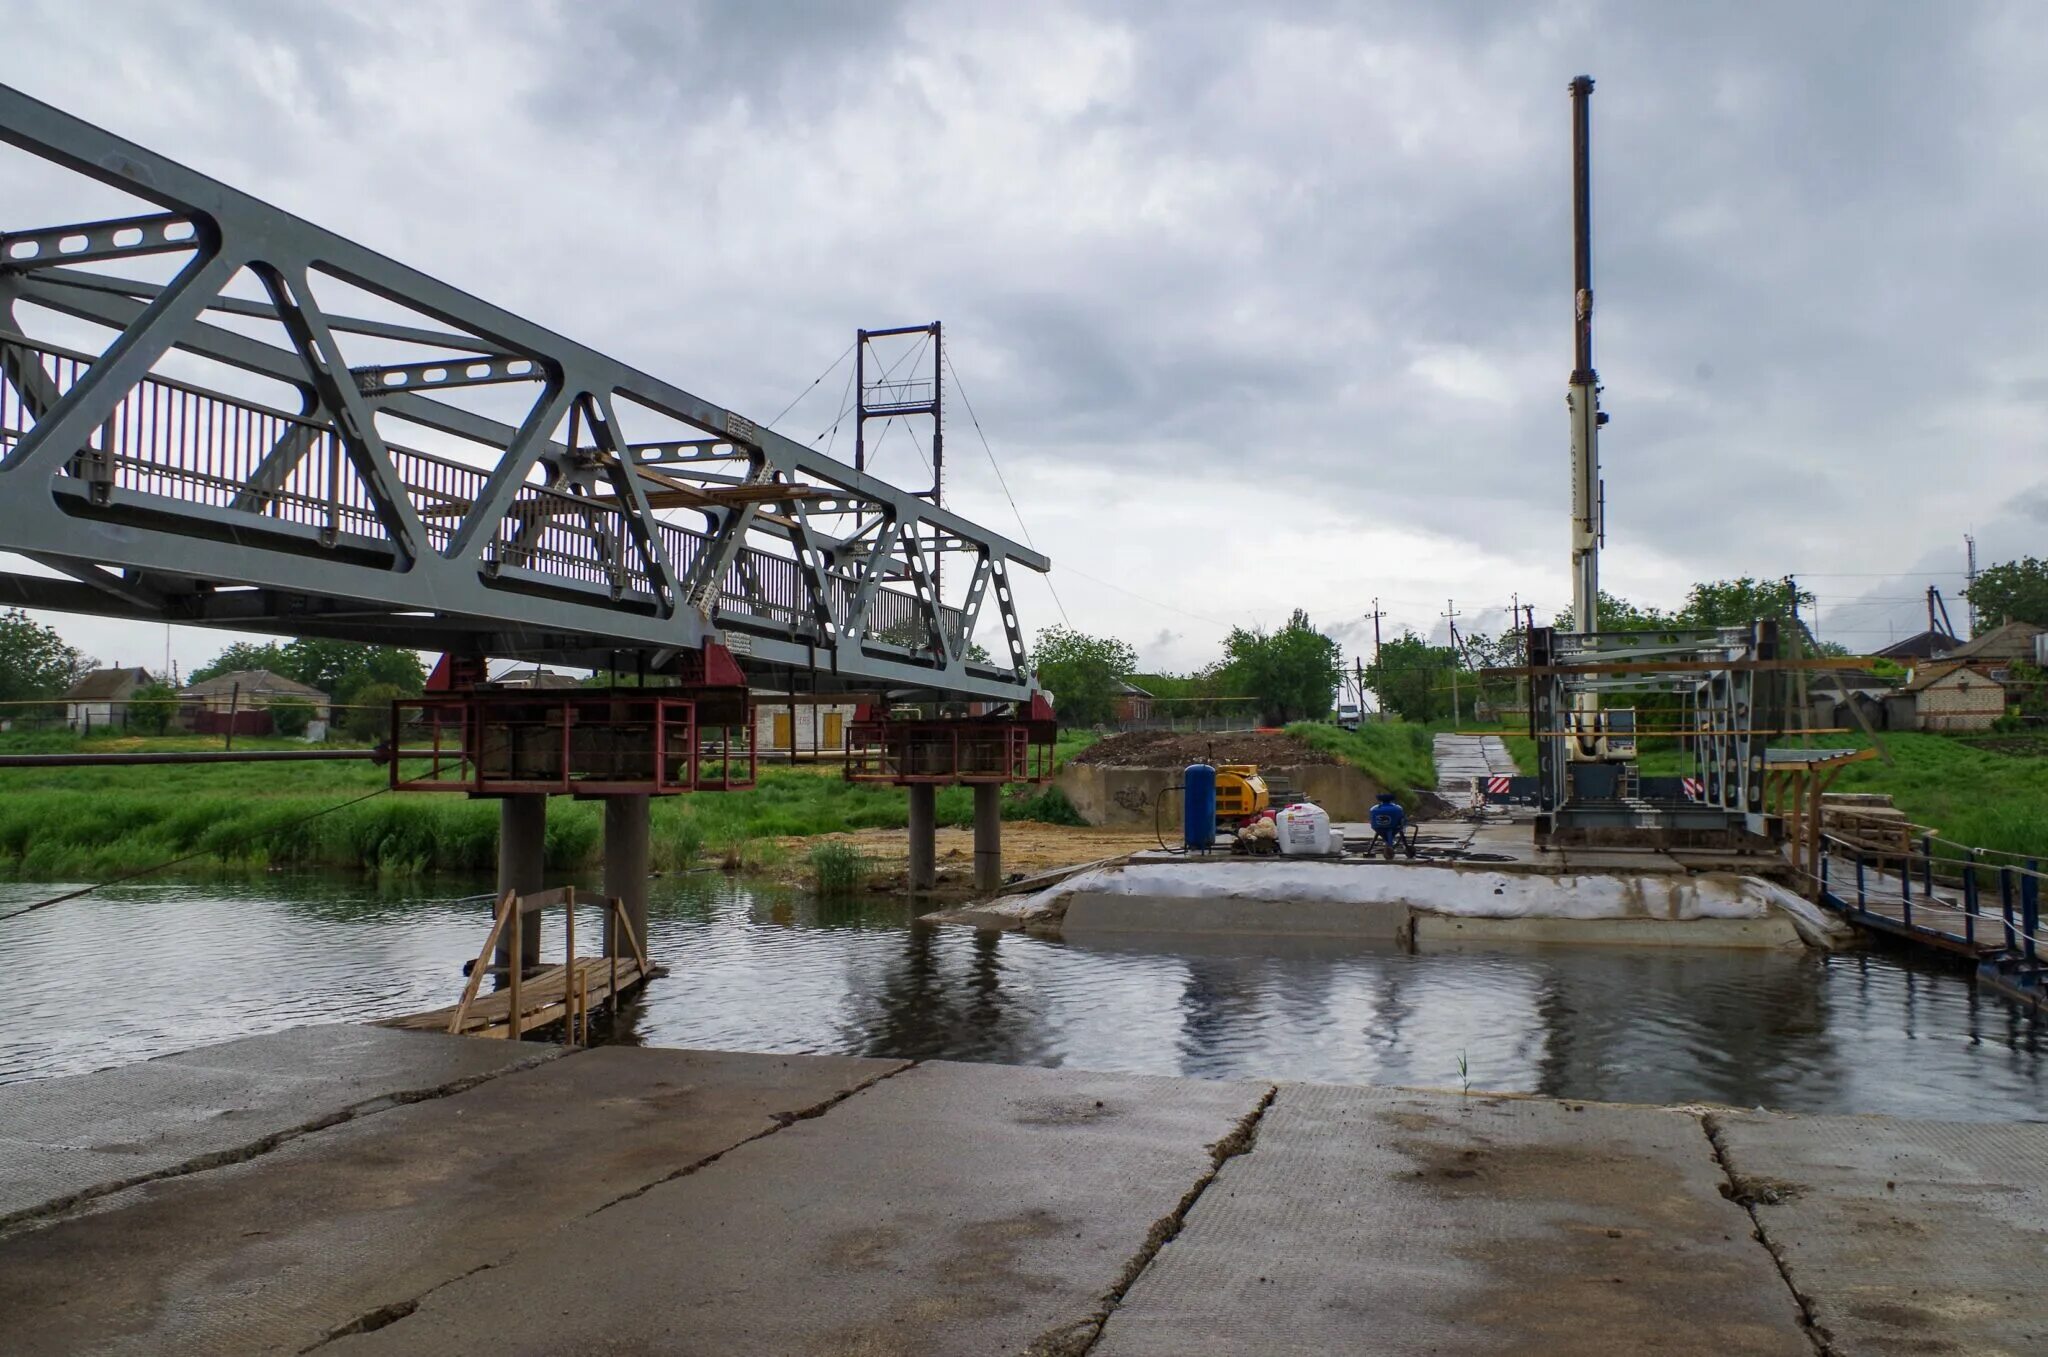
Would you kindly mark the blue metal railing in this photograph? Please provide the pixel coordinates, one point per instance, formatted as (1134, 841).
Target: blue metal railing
(1951, 897)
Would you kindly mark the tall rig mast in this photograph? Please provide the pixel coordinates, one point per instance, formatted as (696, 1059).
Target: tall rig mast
(1588, 499)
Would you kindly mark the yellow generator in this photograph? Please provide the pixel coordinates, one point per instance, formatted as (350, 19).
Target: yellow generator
(1240, 793)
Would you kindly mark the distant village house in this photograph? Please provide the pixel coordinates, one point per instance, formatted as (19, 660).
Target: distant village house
(242, 699)
(1956, 697)
(100, 699)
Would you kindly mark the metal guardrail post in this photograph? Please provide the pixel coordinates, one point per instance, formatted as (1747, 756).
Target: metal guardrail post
(1859, 881)
(1927, 865)
(2030, 907)
(1970, 900)
(2012, 940)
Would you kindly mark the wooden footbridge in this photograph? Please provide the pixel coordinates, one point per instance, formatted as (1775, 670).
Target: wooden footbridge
(533, 995)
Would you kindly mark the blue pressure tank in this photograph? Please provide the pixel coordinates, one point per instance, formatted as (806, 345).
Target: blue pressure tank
(1198, 806)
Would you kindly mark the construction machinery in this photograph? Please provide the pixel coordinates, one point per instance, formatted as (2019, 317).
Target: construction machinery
(1241, 795)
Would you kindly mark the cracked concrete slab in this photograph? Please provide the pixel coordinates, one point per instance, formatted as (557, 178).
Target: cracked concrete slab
(80, 1135)
(354, 1223)
(967, 1209)
(1381, 1221)
(1901, 1236)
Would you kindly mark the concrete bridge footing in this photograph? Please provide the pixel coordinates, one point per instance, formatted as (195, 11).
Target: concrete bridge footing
(625, 867)
(522, 866)
(924, 815)
(988, 836)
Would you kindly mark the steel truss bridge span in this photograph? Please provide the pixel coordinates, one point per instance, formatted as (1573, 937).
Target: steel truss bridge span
(284, 431)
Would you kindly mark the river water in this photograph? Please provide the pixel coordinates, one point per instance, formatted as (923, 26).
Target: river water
(138, 971)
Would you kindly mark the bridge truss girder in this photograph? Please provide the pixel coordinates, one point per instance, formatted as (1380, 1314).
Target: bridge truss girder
(545, 536)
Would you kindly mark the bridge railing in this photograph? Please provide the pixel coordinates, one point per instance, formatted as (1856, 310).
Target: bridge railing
(172, 441)
(1954, 896)
(221, 458)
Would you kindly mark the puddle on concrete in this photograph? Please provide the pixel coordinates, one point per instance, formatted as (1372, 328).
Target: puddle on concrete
(141, 971)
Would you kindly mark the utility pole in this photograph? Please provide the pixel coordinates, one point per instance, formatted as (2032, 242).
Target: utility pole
(1522, 658)
(1451, 615)
(1799, 675)
(1376, 615)
(1970, 582)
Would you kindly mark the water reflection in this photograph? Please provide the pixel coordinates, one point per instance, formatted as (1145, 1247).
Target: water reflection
(141, 971)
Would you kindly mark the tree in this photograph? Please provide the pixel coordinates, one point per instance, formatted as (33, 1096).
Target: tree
(1736, 603)
(1082, 672)
(1618, 614)
(34, 660)
(1293, 672)
(291, 716)
(152, 708)
(369, 716)
(1412, 678)
(2015, 591)
(244, 655)
(344, 670)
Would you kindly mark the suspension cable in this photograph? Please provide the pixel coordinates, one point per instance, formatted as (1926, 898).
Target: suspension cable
(814, 382)
(1001, 480)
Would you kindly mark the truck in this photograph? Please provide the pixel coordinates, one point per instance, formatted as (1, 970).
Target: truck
(1347, 716)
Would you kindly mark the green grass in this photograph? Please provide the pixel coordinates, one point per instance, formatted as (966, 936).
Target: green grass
(1985, 797)
(74, 823)
(1395, 754)
(837, 869)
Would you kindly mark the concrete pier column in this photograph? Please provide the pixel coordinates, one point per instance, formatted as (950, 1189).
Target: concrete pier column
(625, 867)
(924, 848)
(522, 866)
(988, 835)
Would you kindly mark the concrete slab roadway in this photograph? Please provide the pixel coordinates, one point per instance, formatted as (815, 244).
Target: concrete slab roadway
(70, 1137)
(969, 1209)
(350, 1226)
(1378, 1221)
(1901, 1236)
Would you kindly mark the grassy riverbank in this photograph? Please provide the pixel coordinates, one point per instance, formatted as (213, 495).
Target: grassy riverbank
(1986, 791)
(1394, 754)
(74, 823)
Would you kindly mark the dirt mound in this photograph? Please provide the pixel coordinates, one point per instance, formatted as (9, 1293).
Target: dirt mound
(1167, 749)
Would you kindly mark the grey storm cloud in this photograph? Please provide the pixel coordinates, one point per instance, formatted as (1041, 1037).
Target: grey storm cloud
(1294, 276)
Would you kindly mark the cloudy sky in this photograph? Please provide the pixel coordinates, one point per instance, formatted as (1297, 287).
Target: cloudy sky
(1260, 306)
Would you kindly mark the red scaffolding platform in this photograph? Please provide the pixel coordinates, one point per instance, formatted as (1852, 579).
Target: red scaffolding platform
(491, 740)
(952, 750)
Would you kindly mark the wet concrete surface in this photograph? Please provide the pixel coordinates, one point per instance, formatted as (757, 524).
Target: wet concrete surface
(275, 1254)
(952, 1209)
(1369, 1220)
(90, 1133)
(1903, 1236)
(652, 1201)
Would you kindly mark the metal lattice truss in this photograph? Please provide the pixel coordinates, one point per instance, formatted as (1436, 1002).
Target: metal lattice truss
(215, 413)
(1730, 679)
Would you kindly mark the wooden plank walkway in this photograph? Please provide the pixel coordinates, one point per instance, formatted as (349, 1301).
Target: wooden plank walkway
(544, 994)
